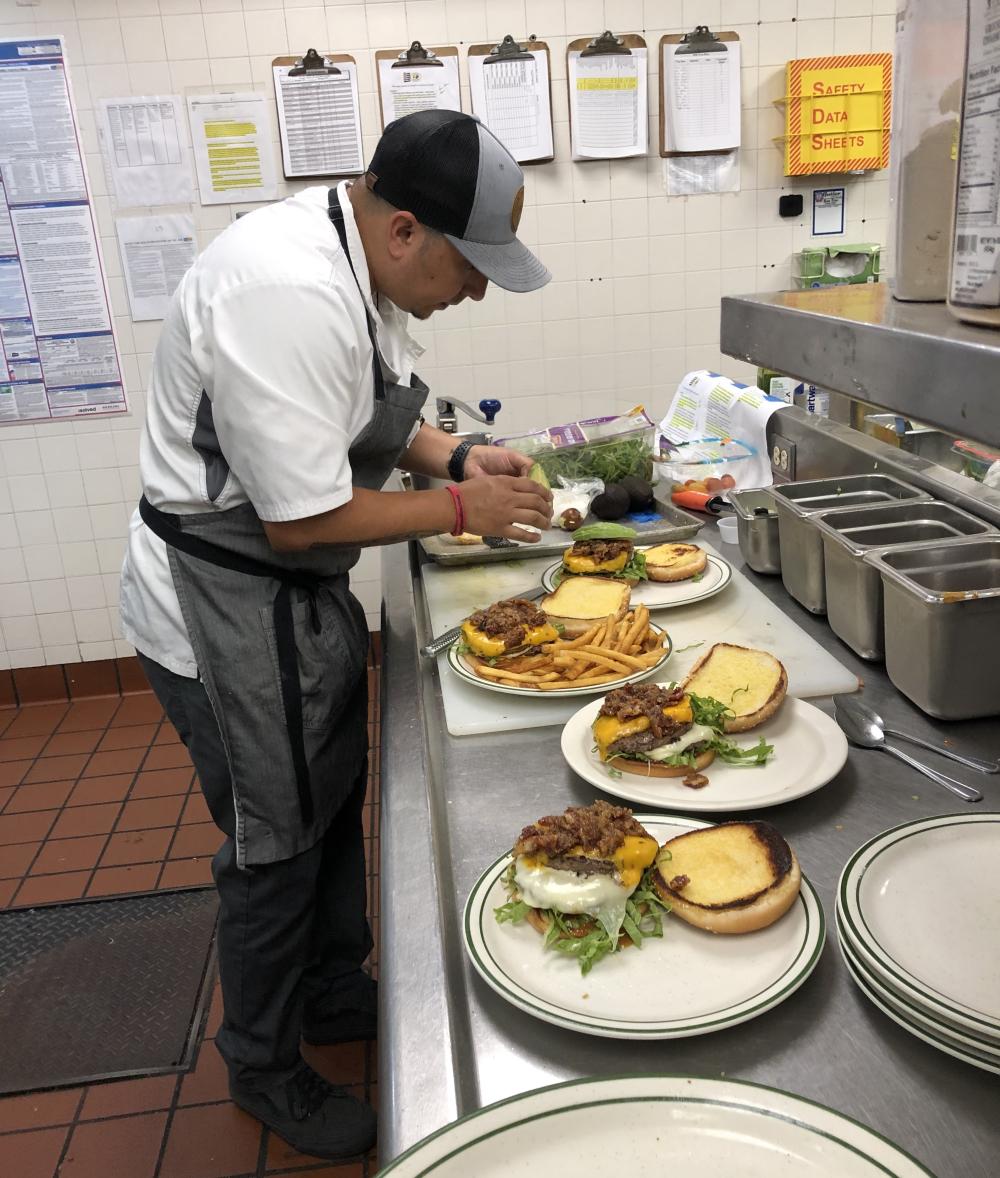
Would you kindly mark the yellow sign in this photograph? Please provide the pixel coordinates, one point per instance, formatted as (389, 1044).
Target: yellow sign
(837, 113)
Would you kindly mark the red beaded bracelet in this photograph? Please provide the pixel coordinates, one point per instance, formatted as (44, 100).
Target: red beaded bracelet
(456, 496)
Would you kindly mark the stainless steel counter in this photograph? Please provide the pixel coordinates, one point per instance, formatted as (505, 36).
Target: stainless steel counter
(448, 1044)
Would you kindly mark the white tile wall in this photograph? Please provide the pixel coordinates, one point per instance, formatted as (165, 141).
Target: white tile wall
(637, 275)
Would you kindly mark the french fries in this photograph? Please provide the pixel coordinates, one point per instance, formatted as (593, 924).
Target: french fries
(608, 651)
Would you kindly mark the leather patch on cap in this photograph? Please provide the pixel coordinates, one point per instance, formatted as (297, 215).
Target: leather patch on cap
(515, 212)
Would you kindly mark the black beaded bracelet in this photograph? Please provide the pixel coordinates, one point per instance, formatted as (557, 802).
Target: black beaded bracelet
(456, 461)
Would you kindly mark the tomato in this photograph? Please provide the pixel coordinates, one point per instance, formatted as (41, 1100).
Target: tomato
(713, 485)
(728, 482)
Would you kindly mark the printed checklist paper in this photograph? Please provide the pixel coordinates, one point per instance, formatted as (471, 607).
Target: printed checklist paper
(511, 97)
(608, 106)
(701, 98)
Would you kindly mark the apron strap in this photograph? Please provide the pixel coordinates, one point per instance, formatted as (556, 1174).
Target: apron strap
(336, 215)
(167, 527)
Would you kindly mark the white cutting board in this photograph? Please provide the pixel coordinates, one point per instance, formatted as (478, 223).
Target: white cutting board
(740, 614)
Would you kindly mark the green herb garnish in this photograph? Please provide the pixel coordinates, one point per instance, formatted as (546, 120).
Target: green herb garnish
(583, 937)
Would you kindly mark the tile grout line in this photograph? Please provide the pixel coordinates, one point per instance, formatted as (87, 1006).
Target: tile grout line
(71, 1129)
(92, 871)
(62, 808)
(169, 1122)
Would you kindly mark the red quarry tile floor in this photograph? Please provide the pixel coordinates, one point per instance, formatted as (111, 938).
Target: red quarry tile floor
(98, 798)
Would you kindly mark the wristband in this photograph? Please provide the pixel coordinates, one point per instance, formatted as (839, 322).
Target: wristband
(456, 497)
(456, 461)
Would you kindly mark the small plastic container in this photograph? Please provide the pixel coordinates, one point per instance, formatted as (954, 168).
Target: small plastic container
(711, 458)
(976, 459)
(729, 529)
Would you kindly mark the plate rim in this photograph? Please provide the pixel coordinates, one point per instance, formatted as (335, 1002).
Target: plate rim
(790, 1107)
(910, 1010)
(698, 804)
(925, 1034)
(855, 869)
(467, 676)
(806, 959)
(725, 569)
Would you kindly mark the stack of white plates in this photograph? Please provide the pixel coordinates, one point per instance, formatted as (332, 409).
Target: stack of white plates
(918, 920)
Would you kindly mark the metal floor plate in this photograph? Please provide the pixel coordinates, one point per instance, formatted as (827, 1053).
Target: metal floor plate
(102, 989)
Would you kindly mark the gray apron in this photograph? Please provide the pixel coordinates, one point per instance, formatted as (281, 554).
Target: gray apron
(280, 641)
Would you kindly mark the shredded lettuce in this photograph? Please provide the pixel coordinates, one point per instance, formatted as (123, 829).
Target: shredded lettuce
(583, 937)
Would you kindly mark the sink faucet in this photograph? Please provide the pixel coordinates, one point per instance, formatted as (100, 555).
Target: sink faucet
(446, 406)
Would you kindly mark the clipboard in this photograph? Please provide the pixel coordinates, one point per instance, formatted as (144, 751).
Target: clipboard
(492, 56)
(606, 45)
(309, 145)
(701, 40)
(416, 57)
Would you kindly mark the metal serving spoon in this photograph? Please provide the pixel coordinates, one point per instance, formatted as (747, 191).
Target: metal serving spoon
(848, 703)
(862, 732)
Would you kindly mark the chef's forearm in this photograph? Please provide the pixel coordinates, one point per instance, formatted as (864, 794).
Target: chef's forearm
(369, 518)
(429, 452)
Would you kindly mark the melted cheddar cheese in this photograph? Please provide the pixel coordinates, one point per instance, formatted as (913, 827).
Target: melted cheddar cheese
(587, 564)
(630, 860)
(487, 647)
(608, 729)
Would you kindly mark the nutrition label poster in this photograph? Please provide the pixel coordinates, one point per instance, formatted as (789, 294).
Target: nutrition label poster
(59, 357)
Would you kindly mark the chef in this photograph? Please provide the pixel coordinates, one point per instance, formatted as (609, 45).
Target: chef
(282, 396)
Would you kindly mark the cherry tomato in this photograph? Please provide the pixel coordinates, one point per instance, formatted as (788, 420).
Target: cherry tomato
(728, 481)
(713, 485)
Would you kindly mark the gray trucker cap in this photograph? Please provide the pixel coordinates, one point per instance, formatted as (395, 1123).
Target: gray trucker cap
(455, 176)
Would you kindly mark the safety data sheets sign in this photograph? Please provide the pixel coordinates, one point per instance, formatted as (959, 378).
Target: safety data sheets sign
(59, 357)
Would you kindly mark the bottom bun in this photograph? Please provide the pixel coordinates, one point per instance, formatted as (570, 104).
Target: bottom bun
(652, 769)
(540, 923)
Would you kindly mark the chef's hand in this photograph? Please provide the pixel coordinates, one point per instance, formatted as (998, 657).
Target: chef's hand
(495, 504)
(496, 460)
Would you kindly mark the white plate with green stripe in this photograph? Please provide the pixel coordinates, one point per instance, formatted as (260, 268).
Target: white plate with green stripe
(919, 906)
(465, 670)
(666, 594)
(664, 1125)
(912, 1019)
(689, 982)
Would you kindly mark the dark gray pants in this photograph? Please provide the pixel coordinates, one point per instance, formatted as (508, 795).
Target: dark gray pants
(293, 935)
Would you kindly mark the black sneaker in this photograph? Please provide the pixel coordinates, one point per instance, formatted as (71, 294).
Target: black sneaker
(346, 1018)
(313, 1116)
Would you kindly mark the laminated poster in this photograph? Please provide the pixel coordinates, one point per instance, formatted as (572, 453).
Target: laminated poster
(58, 356)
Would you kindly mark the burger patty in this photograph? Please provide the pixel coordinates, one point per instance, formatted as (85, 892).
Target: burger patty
(601, 550)
(581, 865)
(644, 742)
(507, 620)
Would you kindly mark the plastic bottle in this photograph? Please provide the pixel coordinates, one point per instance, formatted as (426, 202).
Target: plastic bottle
(974, 293)
(927, 91)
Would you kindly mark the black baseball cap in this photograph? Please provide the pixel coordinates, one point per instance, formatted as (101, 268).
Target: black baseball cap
(455, 176)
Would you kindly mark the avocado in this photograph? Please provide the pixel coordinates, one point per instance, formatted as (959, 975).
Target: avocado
(640, 493)
(613, 504)
(538, 475)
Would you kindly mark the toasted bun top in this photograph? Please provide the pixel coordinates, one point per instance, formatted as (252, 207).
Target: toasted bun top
(732, 878)
(587, 598)
(752, 683)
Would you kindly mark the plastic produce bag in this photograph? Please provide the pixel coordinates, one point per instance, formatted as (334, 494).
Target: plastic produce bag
(574, 495)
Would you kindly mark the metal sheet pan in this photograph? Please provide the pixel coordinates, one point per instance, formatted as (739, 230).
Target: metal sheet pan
(670, 523)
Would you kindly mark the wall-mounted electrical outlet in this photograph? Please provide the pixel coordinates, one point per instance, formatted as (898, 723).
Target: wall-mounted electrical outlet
(783, 457)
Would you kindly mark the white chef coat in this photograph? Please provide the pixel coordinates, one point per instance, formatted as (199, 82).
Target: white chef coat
(270, 323)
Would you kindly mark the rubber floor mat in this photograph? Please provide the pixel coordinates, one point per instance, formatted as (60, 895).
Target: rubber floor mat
(97, 989)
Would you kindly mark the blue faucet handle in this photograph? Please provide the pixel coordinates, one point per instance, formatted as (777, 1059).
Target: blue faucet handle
(489, 409)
